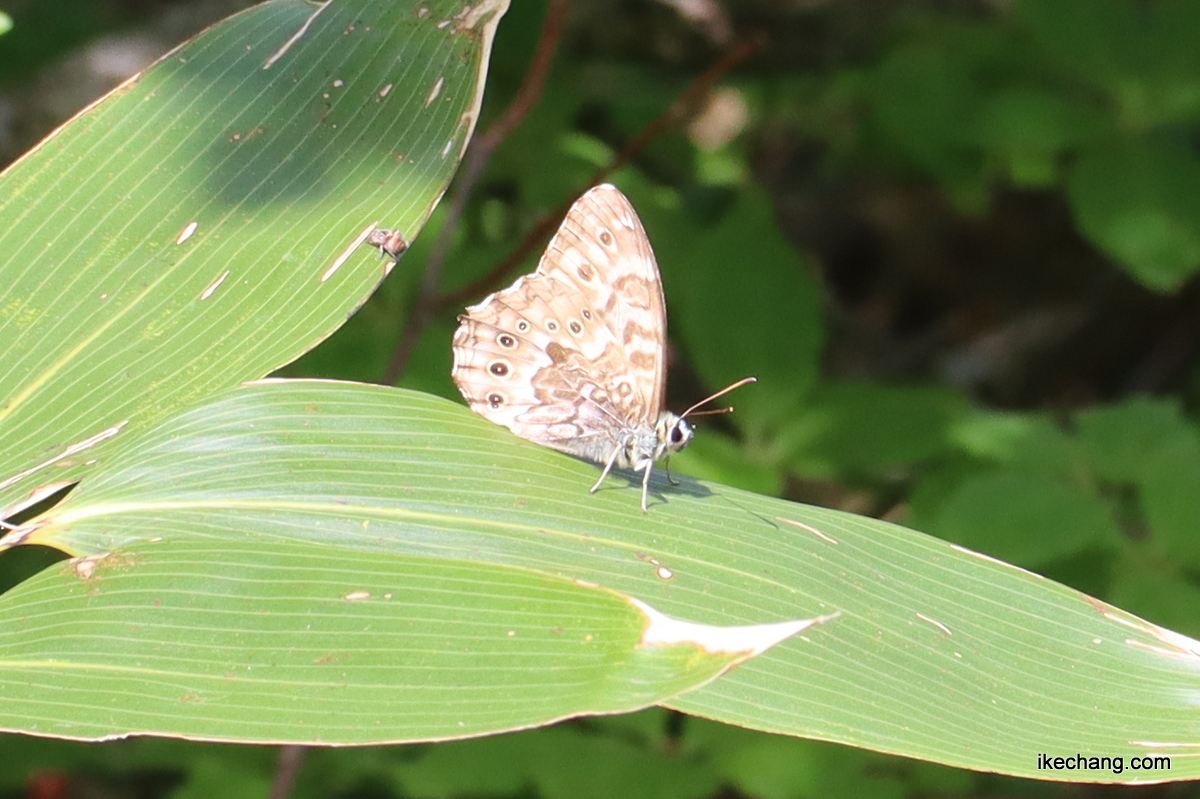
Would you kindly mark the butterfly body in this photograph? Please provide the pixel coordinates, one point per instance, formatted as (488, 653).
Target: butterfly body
(573, 356)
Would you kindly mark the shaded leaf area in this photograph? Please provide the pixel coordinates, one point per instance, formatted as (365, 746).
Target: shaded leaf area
(148, 244)
(266, 639)
(935, 644)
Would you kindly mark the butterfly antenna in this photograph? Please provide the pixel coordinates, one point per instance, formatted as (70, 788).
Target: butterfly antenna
(713, 412)
(721, 393)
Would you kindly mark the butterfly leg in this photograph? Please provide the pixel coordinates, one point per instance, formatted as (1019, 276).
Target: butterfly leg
(667, 468)
(607, 468)
(646, 486)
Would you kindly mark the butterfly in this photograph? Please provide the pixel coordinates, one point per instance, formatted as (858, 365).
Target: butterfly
(573, 356)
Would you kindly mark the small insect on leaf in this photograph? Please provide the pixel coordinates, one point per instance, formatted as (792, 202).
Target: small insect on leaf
(390, 242)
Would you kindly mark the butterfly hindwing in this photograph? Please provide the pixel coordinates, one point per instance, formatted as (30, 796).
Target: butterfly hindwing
(518, 363)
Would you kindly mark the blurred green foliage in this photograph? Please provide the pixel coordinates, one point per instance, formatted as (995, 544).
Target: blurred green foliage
(653, 753)
(44, 31)
(1096, 98)
(1095, 103)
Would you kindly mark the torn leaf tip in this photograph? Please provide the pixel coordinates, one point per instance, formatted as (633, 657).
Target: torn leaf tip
(748, 640)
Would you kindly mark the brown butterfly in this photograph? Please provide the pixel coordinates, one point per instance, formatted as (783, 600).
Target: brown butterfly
(573, 356)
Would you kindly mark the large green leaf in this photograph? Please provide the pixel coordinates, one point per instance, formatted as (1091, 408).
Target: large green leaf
(185, 234)
(274, 640)
(939, 653)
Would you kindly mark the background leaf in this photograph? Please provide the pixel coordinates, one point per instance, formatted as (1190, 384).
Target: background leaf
(1141, 203)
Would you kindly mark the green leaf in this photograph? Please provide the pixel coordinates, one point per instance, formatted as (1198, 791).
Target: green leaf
(1029, 443)
(1024, 517)
(1171, 599)
(1170, 500)
(1099, 40)
(854, 427)
(1142, 55)
(1031, 128)
(1148, 444)
(1122, 441)
(263, 639)
(925, 101)
(1179, 89)
(939, 653)
(996, 435)
(1140, 203)
(185, 234)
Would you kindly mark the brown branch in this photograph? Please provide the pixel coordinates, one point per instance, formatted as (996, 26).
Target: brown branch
(291, 759)
(480, 152)
(1172, 351)
(680, 111)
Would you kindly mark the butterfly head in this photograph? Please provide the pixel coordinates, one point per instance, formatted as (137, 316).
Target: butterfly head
(672, 434)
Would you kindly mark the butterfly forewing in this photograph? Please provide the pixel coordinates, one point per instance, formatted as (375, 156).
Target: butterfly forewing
(603, 248)
(572, 356)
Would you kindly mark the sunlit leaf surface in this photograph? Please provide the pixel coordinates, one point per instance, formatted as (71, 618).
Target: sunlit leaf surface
(196, 228)
(939, 653)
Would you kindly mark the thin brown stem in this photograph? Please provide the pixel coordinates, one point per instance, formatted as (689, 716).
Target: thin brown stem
(478, 155)
(680, 111)
(291, 760)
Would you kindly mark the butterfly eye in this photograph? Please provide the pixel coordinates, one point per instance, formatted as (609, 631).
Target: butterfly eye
(576, 328)
(606, 238)
(551, 325)
(585, 271)
(587, 314)
(498, 368)
(506, 341)
(522, 326)
(495, 400)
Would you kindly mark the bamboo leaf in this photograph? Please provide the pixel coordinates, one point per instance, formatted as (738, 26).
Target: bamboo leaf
(270, 640)
(939, 653)
(196, 228)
